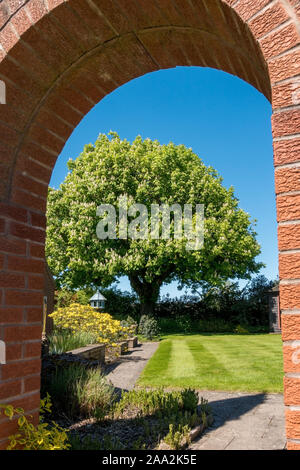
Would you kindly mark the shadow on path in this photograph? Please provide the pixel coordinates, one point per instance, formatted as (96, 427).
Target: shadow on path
(243, 422)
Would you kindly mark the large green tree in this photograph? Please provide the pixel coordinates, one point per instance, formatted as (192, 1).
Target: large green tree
(147, 173)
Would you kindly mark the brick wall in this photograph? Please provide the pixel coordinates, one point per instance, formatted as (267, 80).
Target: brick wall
(60, 57)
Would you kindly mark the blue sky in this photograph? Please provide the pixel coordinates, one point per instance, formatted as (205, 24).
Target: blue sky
(226, 121)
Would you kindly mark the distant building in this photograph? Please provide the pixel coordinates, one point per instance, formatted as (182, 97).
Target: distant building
(98, 301)
(274, 310)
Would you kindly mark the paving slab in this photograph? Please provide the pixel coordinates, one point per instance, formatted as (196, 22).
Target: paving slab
(125, 372)
(243, 421)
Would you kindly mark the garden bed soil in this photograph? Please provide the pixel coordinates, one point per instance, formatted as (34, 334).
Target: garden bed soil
(125, 433)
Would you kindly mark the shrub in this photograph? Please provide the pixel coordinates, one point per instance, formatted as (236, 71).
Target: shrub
(78, 391)
(240, 330)
(62, 340)
(44, 436)
(214, 325)
(184, 323)
(84, 318)
(148, 327)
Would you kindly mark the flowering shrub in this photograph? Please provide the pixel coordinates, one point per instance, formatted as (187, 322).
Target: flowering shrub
(41, 437)
(78, 317)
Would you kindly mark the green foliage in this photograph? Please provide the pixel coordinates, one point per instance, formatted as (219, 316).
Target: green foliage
(65, 297)
(175, 413)
(44, 436)
(112, 168)
(80, 392)
(240, 330)
(62, 340)
(158, 401)
(218, 309)
(177, 436)
(89, 443)
(148, 327)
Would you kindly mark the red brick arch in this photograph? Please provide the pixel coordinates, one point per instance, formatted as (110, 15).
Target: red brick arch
(58, 58)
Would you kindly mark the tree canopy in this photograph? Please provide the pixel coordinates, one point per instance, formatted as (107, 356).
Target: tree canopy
(147, 173)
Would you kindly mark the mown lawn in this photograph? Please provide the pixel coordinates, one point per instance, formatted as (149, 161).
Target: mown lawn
(250, 363)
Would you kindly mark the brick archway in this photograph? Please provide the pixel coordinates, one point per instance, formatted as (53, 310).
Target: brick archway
(58, 58)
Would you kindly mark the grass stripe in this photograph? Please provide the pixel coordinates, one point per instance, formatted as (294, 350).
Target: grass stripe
(182, 362)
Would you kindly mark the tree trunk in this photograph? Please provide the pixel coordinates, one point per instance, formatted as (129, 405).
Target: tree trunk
(148, 294)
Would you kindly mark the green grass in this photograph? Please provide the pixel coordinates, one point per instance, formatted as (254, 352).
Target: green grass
(250, 363)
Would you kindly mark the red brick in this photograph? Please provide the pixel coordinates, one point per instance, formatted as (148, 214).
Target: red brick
(10, 389)
(290, 296)
(21, 369)
(28, 184)
(289, 237)
(8, 279)
(29, 265)
(36, 10)
(32, 383)
(38, 220)
(293, 445)
(268, 20)
(18, 297)
(287, 179)
(289, 266)
(291, 391)
(27, 402)
(9, 245)
(8, 37)
(37, 251)
(284, 95)
(284, 67)
(291, 358)
(13, 352)
(21, 22)
(280, 41)
(10, 315)
(4, 444)
(8, 428)
(34, 314)
(41, 136)
(286, 123)
(29, 200)
(36, 282)
(32, 349)
(2, 259)
(13, 212)
(39, 154)
(288, 208)
(292, 421)
(22, 333)
(290, 326)
(2, 226)
(247, 8)
(287, 151)
(33, 169)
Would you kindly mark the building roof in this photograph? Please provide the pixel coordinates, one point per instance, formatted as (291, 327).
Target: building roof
(98, 296)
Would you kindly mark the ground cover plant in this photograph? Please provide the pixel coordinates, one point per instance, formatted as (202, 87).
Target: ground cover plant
(63, 340)
(237, 362)
(79, 392)
(43, 436)
(143, 419)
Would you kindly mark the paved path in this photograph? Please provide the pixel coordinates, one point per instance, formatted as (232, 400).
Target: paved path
(243, 421)
(124, 373)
